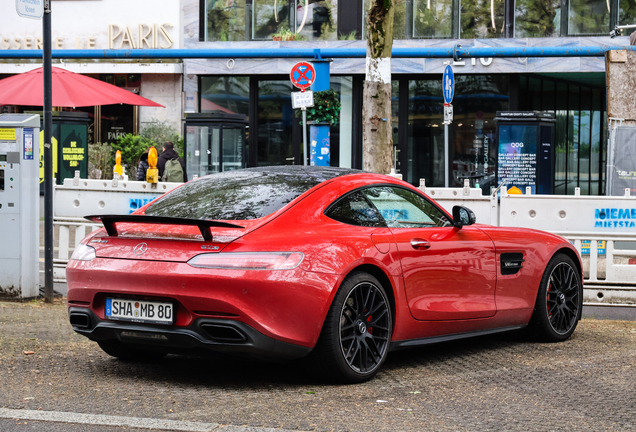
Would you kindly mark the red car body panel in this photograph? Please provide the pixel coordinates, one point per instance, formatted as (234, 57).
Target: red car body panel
(453, 287)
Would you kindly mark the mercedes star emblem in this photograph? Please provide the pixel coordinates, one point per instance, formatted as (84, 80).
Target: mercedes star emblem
(141, 248)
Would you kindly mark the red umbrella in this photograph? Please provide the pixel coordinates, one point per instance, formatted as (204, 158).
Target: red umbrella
(69, 90)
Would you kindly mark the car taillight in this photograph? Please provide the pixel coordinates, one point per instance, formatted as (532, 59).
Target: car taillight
(83, 253)
(248, 260)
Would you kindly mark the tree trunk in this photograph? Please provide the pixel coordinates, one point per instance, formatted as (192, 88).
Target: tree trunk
(377, 145)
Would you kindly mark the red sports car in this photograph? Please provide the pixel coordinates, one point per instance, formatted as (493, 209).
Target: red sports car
(336, 264)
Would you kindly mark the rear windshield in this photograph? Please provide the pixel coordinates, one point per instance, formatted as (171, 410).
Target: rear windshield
(242, 194)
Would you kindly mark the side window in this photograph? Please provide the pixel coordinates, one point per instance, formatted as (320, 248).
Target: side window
(402, 208)
(354, 209)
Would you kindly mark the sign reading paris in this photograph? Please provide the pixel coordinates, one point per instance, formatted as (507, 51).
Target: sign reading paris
(33, 9)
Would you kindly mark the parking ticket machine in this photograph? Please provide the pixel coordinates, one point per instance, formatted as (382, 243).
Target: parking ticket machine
(19, 205)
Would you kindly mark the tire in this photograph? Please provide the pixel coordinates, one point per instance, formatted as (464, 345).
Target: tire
(128, 353)
(559, 303)
(355, 337)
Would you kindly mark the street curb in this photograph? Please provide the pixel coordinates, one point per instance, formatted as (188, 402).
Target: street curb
(136, 422)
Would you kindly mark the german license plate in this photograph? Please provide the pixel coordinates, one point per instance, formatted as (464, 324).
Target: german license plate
(139, 311)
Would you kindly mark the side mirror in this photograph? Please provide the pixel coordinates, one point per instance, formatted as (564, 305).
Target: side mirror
(463, 216)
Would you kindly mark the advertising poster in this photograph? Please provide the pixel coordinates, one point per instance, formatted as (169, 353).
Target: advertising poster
(54, 156)
(74, 147)
(621, 167)
(518, 156)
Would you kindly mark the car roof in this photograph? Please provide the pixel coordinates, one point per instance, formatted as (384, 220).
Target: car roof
(315, 173)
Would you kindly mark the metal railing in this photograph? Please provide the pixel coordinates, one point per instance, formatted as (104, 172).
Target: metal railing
(80, 228)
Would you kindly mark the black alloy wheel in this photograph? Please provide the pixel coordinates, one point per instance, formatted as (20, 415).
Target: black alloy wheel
(562, 298)
(355, 338)
(559, 301)
(364, 328)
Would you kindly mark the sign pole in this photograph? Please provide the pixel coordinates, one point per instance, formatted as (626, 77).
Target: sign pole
(303, 76)
(446, 158)
(48, 154)
(305, 155)
(448, 90)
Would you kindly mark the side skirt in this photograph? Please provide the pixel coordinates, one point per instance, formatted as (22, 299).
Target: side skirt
(398, 345)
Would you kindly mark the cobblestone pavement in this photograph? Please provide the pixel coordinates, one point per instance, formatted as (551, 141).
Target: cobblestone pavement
(488, 383)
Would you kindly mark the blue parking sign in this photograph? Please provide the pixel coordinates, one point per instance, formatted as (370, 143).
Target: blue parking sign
(448, 84)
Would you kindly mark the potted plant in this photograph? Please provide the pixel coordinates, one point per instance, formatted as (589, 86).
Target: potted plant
(284, 35)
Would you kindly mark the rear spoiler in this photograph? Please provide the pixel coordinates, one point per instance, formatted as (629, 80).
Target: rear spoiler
(204, 226)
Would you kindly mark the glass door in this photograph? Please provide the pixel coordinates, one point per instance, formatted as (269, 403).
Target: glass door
(214, 148)
(232, 150)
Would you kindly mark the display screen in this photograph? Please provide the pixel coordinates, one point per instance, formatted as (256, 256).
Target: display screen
(3, 158)
(518, 156)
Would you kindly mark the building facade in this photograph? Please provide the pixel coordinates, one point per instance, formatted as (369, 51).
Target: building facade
(107, 24)
(255, 94)
(571, 88)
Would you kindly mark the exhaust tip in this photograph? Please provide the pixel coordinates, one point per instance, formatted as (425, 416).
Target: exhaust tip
(223, 333)
(80, 320)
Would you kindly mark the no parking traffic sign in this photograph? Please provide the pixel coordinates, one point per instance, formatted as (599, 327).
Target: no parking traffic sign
(302, 75)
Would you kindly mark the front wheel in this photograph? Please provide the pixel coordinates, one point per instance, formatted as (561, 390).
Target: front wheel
(354, 341)
(559, 302)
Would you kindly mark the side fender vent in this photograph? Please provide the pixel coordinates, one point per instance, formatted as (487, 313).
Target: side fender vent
(511, 263)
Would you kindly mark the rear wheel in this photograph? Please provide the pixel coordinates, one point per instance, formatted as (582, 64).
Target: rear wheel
(355, 337)
(559, 301)
(125, 352)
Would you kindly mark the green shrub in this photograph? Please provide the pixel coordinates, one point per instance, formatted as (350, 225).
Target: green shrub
(159, 132)
(131, 147)
(101, 159)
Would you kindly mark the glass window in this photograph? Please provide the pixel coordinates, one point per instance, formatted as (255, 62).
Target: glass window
(584, 141)
(560, 150)
(317, 20)
(481, 19)
(595, 144)
(232, 148)
(548, 101)
(425, 145)
(342, 133)
(473, 131)
(271, 17)
(395, 115)
(295, 20)
(240, 195)
(275, 117)
(399, 19)
(537, 18)
(589, 17)
(354, 209)
(225, 20)
(402, 208)
(228, 94)
(573, 139)
(432, 18)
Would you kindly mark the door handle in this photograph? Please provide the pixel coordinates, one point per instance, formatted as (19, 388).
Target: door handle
(419, 243)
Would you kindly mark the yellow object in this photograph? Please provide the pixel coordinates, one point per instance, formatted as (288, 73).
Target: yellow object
(7, 134)
(152, 174)
(54, 155)
(152, 157)
(514, 191)
(118, 169)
